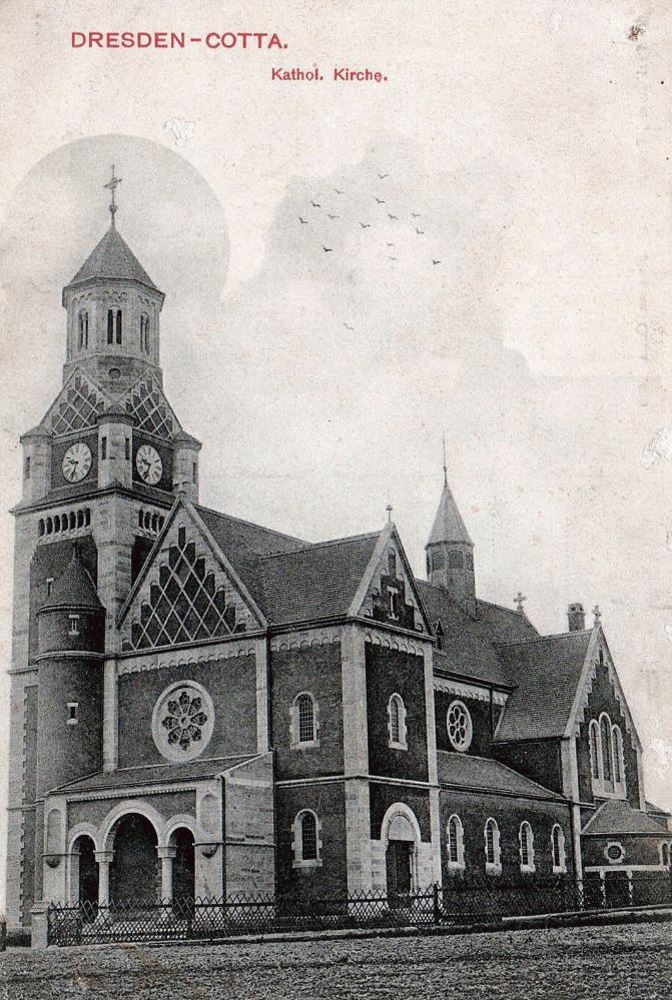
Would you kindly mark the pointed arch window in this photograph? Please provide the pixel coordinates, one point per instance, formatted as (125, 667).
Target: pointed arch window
(665, 855)
(526, 846)
(304, 721)
(306, 843)
(595, 752)
(396, 723)
(558, 856)
(455, 843)
(114, 326)
(493, 853)
(605, 740)
(617, 757)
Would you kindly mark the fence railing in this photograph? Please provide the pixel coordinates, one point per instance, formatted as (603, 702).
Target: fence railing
(459, 901)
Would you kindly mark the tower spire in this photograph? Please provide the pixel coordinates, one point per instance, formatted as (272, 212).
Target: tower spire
(445, 465)
(112, 185)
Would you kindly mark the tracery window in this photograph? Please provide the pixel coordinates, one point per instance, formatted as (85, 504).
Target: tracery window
(526, 844)
(558, 849)
(459, 725)
(493, 853)
(606, 756)
(455, 842)
(396, 722)
(605, 740)
(183, 721)
(617, 754)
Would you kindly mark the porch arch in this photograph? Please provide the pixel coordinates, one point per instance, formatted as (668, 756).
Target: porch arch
(400, 836)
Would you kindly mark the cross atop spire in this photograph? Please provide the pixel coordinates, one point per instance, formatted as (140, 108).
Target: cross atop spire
(519, 600)
(112, 185)
(445, 465)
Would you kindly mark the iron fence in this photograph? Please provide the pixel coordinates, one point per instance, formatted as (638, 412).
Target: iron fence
(460, 901)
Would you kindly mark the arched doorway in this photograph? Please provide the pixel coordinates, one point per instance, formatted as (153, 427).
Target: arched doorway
(135, 869)
(400, 857)
(183, 871)
(85, 876)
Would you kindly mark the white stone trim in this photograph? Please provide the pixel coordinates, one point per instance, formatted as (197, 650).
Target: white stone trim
(354, 702)
(457, 705)
(297, 841)
(171, 754)
(473, 691)
(459, 863)
(394, 641)
(400, 743)
(295, 741)
(305, 639)
(560, 868)
(525, 830)
(207, 653)
(493, 867)
(262, 700)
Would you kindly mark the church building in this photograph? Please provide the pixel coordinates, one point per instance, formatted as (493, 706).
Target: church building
(202, 706)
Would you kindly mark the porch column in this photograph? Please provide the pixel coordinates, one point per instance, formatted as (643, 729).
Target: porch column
(104, 860)
(166, 857)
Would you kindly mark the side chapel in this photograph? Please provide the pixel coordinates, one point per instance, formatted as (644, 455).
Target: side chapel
(204, 706)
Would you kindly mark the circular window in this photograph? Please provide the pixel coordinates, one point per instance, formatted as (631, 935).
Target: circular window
(614, 853)
(182, 721)
(460, 729)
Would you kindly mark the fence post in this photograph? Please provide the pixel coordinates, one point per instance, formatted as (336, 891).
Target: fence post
(39, 925)
(436, 903)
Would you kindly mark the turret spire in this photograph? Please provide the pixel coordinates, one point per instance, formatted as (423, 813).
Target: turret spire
(450, 551)
(112, 185)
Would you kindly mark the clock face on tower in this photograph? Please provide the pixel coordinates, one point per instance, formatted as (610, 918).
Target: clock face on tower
(149, 465)
(76, 462)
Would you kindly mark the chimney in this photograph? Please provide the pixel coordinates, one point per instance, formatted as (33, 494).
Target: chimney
(576, 617)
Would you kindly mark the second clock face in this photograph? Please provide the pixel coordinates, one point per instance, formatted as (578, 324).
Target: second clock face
(76, 462)
(149, 465)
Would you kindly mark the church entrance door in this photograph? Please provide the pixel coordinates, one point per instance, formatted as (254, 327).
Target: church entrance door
(398, 863)
(135, 869)
(84, 852)
(184, 872)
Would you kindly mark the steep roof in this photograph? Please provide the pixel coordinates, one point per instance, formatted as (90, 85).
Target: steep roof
(469, 643)
(290, 579)
(112, 258)
(616, 816)
(545, 673)
(467, 771)
(448, 524)
(316, 582)
(74, 588)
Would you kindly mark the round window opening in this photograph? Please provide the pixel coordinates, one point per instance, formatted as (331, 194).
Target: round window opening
(182, 721)
(614, 853)
(460, 729)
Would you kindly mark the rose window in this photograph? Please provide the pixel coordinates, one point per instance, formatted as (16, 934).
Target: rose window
(460, 729)
(183, 721)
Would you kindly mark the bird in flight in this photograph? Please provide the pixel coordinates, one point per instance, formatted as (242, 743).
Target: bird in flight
(435, 261)
(381, 201)
(365, 225)
(327, 249)
(393, 258)
(315, 205)
(333, 216)
(395, 217)
(383, 176)
(415, 215)
(420, 232)
(304, 222)
(337, 191)
(348, 327)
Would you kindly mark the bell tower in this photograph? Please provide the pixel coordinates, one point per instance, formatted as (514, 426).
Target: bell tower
(113, 309)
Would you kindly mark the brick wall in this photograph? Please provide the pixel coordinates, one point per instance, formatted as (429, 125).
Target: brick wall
(539, 760)
(231, 683)
(167, 803)
(50, 561)
(475, 809)
(382, 796)
(316, 669)
(390, 671)
(484, 720)
(643, 850)
(328, 879)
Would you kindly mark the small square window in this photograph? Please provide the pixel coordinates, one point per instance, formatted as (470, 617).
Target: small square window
(127, 448)
(50, 585)
(103, 448)
(74, 624)
(26, 468)
(73, 713)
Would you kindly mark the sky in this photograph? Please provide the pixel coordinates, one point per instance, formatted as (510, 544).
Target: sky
(528, 144)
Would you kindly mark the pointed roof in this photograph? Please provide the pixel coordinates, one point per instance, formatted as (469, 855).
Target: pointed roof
(448, 524)
(112, 258)
(74, 588)
(617, 817)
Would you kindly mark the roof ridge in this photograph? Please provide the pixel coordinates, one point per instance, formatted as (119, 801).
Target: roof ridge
(542, 638)
(498, 763)
(311, 546)
(502, 607)
(253, 524)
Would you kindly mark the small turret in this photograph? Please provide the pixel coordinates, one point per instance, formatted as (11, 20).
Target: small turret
(450, 554)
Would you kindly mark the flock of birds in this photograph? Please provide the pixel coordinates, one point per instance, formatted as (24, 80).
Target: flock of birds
(391, 217)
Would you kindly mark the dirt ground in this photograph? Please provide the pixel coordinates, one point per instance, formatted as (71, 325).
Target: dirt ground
(615, 962)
